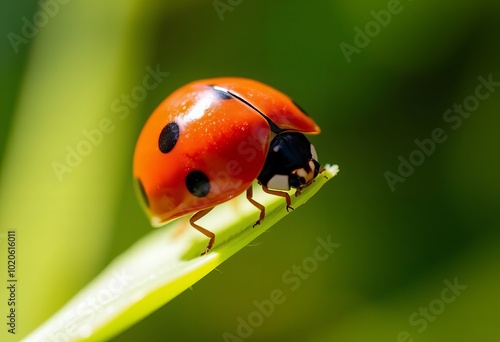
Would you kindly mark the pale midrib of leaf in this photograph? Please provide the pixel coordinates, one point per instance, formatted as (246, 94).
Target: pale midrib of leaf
(160, 266)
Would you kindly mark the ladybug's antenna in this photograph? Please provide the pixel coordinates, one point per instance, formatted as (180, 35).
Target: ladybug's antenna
(272, 125)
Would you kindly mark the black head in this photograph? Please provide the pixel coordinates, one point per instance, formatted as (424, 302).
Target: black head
(291, 162)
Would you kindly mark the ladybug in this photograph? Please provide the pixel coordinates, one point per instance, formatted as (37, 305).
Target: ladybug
(210, 139)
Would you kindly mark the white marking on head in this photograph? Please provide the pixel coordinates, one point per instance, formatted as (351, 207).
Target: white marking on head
(306, 177)
(312, 166)
(301, 173)
(313, 152)
(279, 182)
(276, 148)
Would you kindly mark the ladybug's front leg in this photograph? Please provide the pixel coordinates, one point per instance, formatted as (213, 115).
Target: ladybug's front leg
(279, 193)
(256, 204)
(202, 230)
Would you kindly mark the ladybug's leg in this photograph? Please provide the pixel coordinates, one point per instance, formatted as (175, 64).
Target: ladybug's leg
(279, 193)
(256, 204)
(202, 230)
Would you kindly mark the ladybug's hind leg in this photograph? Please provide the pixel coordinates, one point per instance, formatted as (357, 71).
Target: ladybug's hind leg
(257, 205)
(279, 193)
(202, 230)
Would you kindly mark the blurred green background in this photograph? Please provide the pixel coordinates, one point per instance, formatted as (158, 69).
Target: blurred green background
(65, 64)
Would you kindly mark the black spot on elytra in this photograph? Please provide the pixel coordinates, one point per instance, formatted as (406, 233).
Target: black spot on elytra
(222, 93)
(142, 192)
(168, 137)
(198, 183)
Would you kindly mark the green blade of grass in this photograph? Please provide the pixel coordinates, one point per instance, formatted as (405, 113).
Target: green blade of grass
(162, 265)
